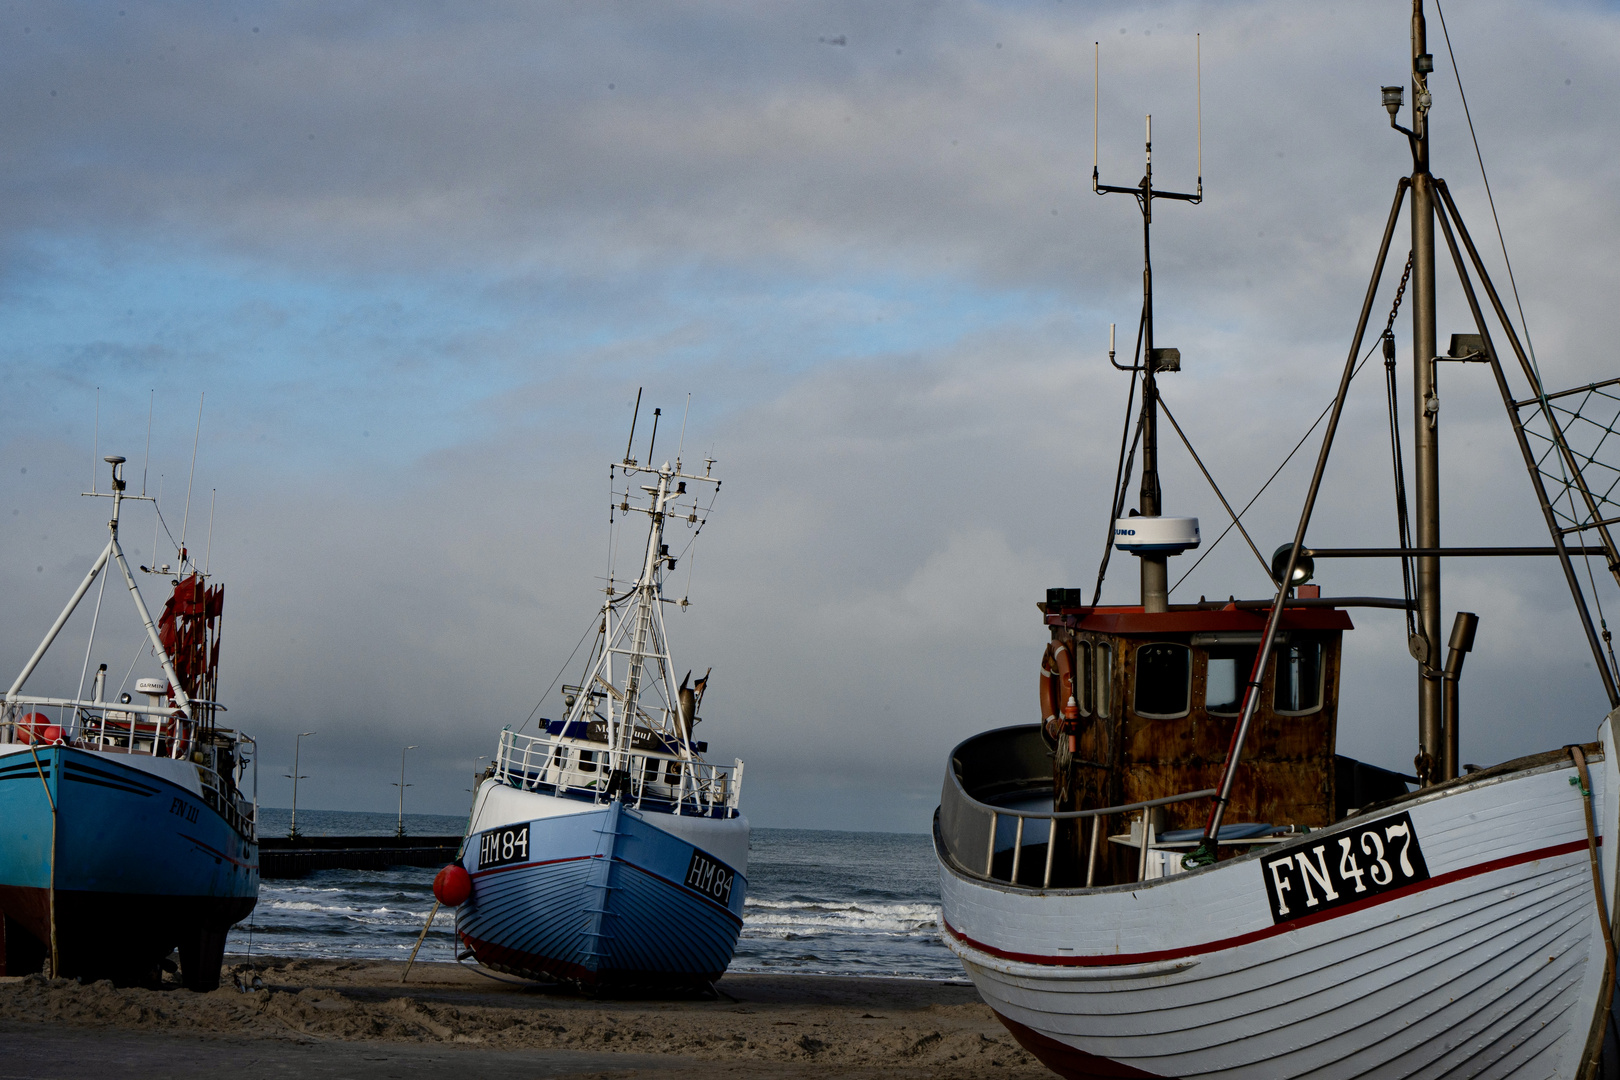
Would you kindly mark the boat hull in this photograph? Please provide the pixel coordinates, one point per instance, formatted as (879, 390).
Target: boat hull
(1486, 960)
(602, 896)
(143, 864)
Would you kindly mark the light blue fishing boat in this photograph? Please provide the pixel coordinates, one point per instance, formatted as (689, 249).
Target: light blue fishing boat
(604, 850)
(125, 832)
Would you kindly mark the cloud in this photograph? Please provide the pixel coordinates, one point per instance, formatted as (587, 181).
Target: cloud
(421, 258)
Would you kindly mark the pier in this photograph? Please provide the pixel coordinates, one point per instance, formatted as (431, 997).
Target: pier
(300, 856)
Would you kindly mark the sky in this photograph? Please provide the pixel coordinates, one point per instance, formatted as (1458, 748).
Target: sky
(414, 261)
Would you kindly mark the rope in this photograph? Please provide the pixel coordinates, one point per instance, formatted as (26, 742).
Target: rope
(1583, 782)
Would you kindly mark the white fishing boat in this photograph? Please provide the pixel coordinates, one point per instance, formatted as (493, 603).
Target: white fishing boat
(1174, 874)
(605, 851)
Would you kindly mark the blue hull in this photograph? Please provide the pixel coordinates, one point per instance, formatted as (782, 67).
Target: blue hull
(143, 865)
(608, 899)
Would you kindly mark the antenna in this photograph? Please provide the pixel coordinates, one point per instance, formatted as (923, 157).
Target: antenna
(151, 398)
(186, 517)
(157, 519)
(628, 460)
(208, 556)
(1096, 81)
(652, 441)
(682, 444)
(95, 452)
(1199, 43)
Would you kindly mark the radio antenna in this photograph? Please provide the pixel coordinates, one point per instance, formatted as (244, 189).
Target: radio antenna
(628, 460)
(186, 517)
(1096, 81)
(151, 398)
(1199, 42)
(682, 444)
(652, 442)
(208, 557)
(95, 453)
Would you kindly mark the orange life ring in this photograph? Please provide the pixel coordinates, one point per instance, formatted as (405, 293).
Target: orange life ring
(1059, 707)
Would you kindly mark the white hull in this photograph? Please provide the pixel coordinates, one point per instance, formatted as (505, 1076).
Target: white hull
(1492, 966)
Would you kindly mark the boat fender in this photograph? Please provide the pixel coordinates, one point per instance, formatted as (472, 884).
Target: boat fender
(31, 728)
(1060, 711)
(452, 885)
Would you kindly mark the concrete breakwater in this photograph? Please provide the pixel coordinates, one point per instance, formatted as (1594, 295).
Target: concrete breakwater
(300, 856)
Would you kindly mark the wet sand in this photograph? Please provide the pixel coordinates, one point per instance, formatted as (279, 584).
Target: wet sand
(323, 1018)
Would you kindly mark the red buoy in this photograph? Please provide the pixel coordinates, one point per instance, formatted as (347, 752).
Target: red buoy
(32, 728)
(452, 886)
(50, 734)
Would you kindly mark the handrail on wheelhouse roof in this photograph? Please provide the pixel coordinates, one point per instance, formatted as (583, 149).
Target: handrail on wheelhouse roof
(1211, 616)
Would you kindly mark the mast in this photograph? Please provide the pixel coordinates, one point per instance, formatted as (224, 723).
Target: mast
(1155, 564)
(646, 600)
(1426, 444)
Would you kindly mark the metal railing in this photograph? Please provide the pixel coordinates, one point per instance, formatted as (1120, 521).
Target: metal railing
(1013, 764)
(123, 730)
(691, 786)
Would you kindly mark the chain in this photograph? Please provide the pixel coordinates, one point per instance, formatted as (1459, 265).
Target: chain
(1400, 291)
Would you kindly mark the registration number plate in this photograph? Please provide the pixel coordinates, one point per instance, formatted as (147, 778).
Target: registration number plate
(1369, 859)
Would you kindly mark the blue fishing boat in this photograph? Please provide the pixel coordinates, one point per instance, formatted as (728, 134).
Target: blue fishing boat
(125, 831)
(603, 850)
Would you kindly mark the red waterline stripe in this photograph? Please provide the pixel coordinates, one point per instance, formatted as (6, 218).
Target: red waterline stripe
(1122, 959)
(221, 854)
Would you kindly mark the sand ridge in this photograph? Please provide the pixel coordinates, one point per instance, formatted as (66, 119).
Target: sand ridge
(830, 1025)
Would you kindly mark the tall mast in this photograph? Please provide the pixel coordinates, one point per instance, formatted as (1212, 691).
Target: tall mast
(1426, 416)
(1155, 565)
(646, 600)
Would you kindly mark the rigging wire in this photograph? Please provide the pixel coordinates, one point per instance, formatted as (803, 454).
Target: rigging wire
(1489, 198)
(1518, 302)
(1213, 486)
(1123, 464)
(1403, 522)
(570, 660)
(1273, 476)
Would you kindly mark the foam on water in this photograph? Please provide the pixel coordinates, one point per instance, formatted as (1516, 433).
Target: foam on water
(818, 902)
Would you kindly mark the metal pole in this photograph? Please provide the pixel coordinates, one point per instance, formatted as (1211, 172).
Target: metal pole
(1462, 643)
(1426, 445)
(1204, 854)
(1155, 567)
(298, 745)
(401, 828)
(61, 621)
(1508, 403)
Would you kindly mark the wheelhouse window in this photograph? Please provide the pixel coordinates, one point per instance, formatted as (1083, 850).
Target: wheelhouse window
(1104, 678)
(587, 761)
(1299, 678)
(1163, 680)
(1082, 676)
(1228, 675)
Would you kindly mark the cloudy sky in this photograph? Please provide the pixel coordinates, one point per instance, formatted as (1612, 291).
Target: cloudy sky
(421, 256)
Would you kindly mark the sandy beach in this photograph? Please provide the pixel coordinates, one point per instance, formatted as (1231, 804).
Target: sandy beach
(342, 1018)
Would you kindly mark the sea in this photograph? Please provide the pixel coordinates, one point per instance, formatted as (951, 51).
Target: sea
(832, 903)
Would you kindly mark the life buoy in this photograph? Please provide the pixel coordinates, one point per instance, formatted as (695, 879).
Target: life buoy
(1059, 708)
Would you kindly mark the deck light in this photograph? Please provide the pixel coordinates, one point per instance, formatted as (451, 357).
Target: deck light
(1392, 100)
(1304, 566)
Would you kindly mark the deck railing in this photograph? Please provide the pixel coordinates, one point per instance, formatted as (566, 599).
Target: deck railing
(149, 731)
(1012, 765)
(692, 786)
